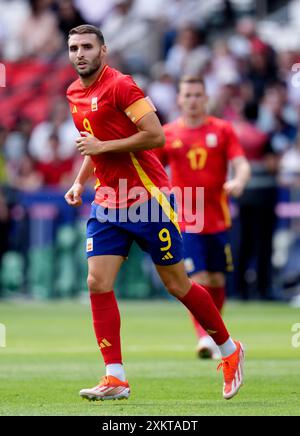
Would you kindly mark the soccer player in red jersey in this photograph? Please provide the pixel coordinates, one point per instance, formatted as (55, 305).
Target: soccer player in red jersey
(198, 150)
(119, 129)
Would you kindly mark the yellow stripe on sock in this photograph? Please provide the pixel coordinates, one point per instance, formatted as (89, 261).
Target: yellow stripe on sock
(106, 343)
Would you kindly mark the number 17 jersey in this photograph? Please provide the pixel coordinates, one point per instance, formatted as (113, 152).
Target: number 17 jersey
(199, 157)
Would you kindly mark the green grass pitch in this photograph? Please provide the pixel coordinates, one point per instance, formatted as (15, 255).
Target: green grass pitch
(51, 354)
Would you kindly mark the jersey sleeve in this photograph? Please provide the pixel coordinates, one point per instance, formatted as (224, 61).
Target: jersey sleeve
(131, 100)
(233, 146)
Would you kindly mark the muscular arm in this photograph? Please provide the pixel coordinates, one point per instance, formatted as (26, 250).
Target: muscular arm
(150, 135)
(242, 174)
(73, 196)
(85, 172)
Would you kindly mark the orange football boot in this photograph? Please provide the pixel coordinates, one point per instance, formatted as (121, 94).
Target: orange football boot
(110, 388)
(233, 367)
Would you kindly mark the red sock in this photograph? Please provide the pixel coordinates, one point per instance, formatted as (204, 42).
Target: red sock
(218, 296)
(201, 305)
(200, 332)
(107, 325)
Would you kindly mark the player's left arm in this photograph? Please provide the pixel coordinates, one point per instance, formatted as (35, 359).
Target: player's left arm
(242, 173)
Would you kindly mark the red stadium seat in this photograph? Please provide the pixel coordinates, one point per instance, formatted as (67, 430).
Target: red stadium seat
(31, 84)
(28, 72)
(37, 110)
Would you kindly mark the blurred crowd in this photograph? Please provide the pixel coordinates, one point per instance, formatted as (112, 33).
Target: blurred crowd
(251, 82)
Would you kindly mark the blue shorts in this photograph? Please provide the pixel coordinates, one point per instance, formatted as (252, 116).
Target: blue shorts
(110, 232)
(211, 253)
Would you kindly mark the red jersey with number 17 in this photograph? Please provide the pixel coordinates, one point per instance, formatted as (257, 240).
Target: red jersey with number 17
(109, 109)
(199, 157)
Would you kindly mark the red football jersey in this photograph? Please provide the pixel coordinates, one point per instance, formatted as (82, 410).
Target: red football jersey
(109, 109)
(198, 157)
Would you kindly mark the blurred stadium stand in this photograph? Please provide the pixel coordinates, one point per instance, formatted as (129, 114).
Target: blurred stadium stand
(248, 71)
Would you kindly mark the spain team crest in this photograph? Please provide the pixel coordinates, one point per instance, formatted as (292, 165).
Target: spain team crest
(211, 140)
(94, 104)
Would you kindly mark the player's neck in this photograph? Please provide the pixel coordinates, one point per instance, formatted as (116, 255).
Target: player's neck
(194, 122)
(88, 81)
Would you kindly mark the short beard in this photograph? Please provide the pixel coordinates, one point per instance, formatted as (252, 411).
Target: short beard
(90, 72)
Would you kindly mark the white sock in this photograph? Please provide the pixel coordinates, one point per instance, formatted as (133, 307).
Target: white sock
(228, 348)
(116, 370)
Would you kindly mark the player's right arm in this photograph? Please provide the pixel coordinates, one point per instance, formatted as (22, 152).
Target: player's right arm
(73, 196)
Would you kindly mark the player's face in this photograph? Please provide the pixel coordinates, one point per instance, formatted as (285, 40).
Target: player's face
(192, 99)
(86, 54)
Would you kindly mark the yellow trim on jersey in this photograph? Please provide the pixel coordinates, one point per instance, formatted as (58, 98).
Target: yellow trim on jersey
(225, 209)
(102, 72)
(156, 193)
(139, 109)
(97, 184)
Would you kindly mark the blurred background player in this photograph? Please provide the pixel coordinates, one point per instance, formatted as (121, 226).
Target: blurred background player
(118, 129)
(199, 149)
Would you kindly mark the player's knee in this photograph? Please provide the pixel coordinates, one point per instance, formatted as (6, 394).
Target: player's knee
(216, 280)
(176, 288)
(99, 284)
(201, 277)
